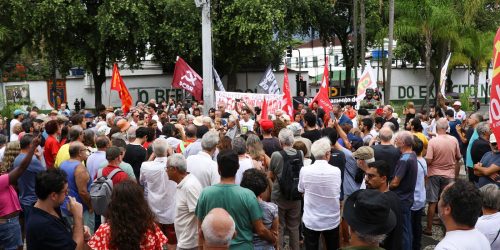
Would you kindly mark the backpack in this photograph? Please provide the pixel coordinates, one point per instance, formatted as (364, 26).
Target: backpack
(289, 180)
(100, 191)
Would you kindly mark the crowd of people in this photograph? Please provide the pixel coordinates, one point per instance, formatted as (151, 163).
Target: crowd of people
(180, 177)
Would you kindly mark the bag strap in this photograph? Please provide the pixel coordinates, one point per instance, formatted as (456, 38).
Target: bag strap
(421, 165)
(112, 174)
(496, 237)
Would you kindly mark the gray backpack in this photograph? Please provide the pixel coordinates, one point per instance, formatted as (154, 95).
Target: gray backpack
(100, 191)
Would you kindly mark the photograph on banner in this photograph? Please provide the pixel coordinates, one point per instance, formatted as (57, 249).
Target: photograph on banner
(19, 94)
(274, 102)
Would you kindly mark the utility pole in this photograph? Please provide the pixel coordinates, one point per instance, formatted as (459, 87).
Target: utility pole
(206, 40)
(387, 85)
(354, 41)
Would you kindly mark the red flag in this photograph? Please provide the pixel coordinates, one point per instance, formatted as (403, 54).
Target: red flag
(287, 97)
(322, 96)
(263, 112)
(495, 89)
(118, 85)
(186, 78)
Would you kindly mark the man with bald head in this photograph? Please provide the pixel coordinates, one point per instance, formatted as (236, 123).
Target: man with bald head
(75, 134)
(217, 229)
(443, 156)
(78, 182)
(386, 151)
(190, 138)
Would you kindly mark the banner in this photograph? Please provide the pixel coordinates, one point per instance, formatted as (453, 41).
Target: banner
(348, 99)
(367, 80)
(443, 78)
(287, 96)
(495, 89)
(56, 94)
(19, 94)
(274, 102)
(269, 83)
(217, 80)
(186, 78)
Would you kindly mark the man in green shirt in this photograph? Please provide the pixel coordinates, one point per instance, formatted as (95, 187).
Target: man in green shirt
(239, 202)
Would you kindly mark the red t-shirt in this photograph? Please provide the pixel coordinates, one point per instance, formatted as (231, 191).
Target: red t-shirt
(119, 177)
(50, 151)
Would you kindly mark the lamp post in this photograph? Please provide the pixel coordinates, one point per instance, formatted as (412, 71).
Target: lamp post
(206, 40)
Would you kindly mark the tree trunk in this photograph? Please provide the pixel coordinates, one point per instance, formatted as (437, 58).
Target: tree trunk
(362, 31)
(476, 88)
(99, 76)
(387, 87)
(428, 51)
(355, 44)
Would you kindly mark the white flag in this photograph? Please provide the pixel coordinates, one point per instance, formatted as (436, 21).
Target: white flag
(442, 82)
(268, 82)
(218, 81)
(366, 81)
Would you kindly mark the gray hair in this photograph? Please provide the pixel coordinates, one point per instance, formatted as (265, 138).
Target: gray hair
(389, 125)
(320, 147)
(177, 161)
(110, 115)
(74, 133)
(442, 123)
(479, 117)
(371, 239)
(131, 133)
(483, 128)
(181, 116)
(286, 137)
(210, 140)
(190, 117)
(239, 145)
(221, 234)
(386, 134)
(491, 196)
(160, 147)
(405, 137)
(3, 139)
(390, 108)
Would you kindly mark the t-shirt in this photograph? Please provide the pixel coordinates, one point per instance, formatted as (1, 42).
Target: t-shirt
(443, 153)
(9, 203)
(479, 148)
(349, 184)
(239, 202)
(269, 213)
(50, 151)
(271, 145)
(26, 183)
(487, 160)
(62, 155)
(423, 138)
(312, 135)
(276, 167)
(123, 166)
(117, 178)
(453, 128)
(337, 159)
(464, 239)
(246, 125)
(245, 164)
(186, 225)
(468, 158)
(420, 195)
(489, 225)
(389, 154)
(394, 121)
(45, 231)
(135, 155)
(394, 238)
(344, 120)
(406, 170)
(151, 240)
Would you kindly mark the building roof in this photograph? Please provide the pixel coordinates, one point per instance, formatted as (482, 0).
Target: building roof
(315, 43)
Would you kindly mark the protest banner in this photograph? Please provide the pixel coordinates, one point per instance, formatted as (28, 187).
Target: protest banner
(495, 89)
(274, 102)
(268, 82)
(348, 99)
(366, 81)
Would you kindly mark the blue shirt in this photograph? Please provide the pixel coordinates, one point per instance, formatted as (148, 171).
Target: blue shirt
(419, 194)
(406, 170)
(468, 159)
(45, 231)
(69, 167)
(344, 119)
(350, 185)
(26, 183)
(487, 160)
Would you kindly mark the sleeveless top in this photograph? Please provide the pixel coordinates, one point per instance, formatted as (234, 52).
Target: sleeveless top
(69, 167)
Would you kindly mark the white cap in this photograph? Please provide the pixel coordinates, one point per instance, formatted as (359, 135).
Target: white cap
(457, 103)
(493, 139)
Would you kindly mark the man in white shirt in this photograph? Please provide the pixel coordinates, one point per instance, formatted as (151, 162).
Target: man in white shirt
(18, 118)
(489, 223)
(240, 147)
(320, 183)
(460, 232)
(95, 160)
(154, 116)
(160, 190)
(246, 124)
(201, 165)
(459, 113)
(186, 198)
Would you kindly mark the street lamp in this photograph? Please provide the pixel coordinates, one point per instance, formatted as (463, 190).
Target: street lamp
(206, 40)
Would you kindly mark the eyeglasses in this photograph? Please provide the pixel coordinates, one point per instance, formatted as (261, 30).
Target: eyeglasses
(494, 144)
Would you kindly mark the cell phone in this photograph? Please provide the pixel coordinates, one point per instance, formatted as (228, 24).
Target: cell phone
(332, 116)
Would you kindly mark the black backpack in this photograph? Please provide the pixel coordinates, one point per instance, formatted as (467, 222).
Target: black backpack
(289, 180)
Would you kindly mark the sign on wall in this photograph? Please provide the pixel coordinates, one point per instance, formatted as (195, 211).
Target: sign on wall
(274, 102)
(56, 93)
(18, 94)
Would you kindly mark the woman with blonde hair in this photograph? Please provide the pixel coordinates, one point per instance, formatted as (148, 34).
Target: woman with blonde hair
(11, 152)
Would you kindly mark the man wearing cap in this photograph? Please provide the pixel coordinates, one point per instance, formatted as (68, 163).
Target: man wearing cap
(377, 178)
(404, 181)
(459, 208)
(297, 131)
(18, 118)
(459, 113)
(320, 184)
(370, 218)
(89, 120)
(269, 142)
(488, 169)
(363, 156)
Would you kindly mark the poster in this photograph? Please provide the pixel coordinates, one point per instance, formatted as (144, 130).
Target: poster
(19, 94)
(56, 94)
(274, 102)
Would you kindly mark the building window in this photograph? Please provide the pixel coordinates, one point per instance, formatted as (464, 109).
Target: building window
(289, 62)
(296, 62)
(336, 60)
(315, 61)
(304, 61)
